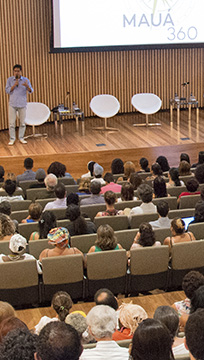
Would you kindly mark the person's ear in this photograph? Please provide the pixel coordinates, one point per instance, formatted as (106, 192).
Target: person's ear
(36, 356)
(130, 348)
(186, 346)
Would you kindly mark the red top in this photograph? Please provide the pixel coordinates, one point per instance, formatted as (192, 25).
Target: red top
(116, 188)
(122, 334)
(185, 193)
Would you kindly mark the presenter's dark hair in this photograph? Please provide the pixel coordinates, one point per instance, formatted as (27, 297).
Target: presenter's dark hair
(17, 66)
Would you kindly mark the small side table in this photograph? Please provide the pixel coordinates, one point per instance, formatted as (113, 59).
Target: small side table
(59, 114)
(183, 102)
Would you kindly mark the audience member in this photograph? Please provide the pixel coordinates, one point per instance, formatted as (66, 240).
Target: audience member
(127, 193)
(194, 331)
(6, 310)
(192, 186)
(61, 200)
(199, 213)
(200, 159)
(110, 185)
(59, 238)
(98, 174)
(197, 300)
(84, 186)
(169, 317)
(110, 200)
(117, 166)
(173, 176)
(78, 322)
(129, 168)
(58, 169)
(17, 246)
(10, 188)
(101, 321)
(199, 173)
(178, 233)
(135, 180)
(185, 157)
(106, 240)
(72, 198)
(28, 174)
(10, 176)
(96, 197)
(151, 341)
(5, 207)
(163, 162)
(7, 227)
(184, 168)
(9, 324)
(144, 164)
(90, 166)
(106, 297)
(58, 341)
(40, 177)
(144, 192)
(61, 303)
(50, 183)
(156, 171)
(145, 237)
(78, 225)
(159, 186)
(19, 344)
(130, 315)
(2, 172)
(47, 222)
(163, 221)
(35, 211)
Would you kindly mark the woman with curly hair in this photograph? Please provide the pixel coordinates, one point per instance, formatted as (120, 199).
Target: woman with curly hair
(145, 237)
(106, 240)
(58, 169)
(178, 232)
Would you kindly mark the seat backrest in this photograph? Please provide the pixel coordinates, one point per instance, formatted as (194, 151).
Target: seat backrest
(27, 229)
(188, 201)
(92, 210)
(149, 260)
(83, 242)
(37, 246)
(25, 271)
(105, 105)
(185, 178)
(71, 188)
(118, 222)
(26, 184)
(4, 247)
(197, 229)
(146, 103)
(17, 192)
(161, 234)
(43, 202)
(42, 193)
(171, 200)
(181, 213)
(176, 190)
(106, 264)
(126, 237)
(136, 220)
(59, 213)
(127, 204)
(66, 180)
(19, 215)
(187, 255)
(20, 205)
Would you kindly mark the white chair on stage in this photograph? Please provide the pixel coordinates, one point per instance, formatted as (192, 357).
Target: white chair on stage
(36, 114)
(147, 104)
(105, 106)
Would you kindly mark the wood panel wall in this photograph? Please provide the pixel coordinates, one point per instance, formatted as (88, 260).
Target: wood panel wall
(25, 27)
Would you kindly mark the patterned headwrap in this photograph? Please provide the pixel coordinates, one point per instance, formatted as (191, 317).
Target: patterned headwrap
(58, 236)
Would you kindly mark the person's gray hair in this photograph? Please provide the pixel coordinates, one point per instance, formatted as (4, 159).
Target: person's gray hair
(102, 320)
(78, 322)
(50, 182)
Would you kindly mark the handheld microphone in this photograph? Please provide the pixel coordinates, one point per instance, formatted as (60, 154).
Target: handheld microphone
(185, 83)
(17, 79)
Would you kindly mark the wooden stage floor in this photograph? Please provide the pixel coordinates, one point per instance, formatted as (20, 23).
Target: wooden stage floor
(129, 143)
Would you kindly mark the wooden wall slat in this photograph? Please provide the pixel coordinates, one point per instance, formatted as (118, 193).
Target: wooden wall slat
(25, 38)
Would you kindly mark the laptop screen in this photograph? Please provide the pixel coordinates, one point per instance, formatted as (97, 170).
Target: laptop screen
(187, 221)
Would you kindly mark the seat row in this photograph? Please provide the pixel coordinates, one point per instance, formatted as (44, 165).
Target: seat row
(149, 270)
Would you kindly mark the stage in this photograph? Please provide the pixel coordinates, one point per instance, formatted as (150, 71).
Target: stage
(129, 143)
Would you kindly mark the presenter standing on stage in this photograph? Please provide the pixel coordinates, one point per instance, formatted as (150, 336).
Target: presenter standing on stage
(17, 87)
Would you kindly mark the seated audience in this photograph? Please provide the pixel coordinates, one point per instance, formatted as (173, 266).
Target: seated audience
(129, 168)
(98, 174)
(106, 297)
(2, 172)
(47, 222)
(35, 211)
(5, 208)
(78, 322)
(96, 197)
(78, 225)
(169, 317)
(10, 188)
(184, 168)
(159, 186)
(101, 322)
(110, 185)
(163, 162)
(144, 165)
(192, 186)
(28, 174)
(9, 324)
(178, 233)
(145, 237)
(163, 221)
(130, 315)
(6, 311)
(40, 177)
(50, 183)
(174, 180)
(7, 227)
(59, 238)
(58, 169)
(17, 246)
(106, 240)
(191, 282)
(72, 198)
(10, 176)
(194, 332)
(19, 344)
(197, 300)
(156, 171)
(61, 200)
(199, 213)
(200, 159)
(135, 180)
(117, 166)
(127, 193)
(90, 166)
(144, 192)
(58, 341)
(151, 341)
(110, 200)
(61, 303)
(185, 157)
(84, 186)
(199, 173)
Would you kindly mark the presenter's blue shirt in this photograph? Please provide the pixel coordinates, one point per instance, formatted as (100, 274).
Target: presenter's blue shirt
(18, 97)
